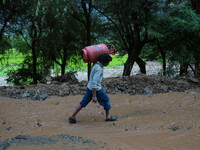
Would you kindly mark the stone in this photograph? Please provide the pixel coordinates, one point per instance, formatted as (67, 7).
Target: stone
(140, 84)
(164, 88)
(43, 97)
(25, 94)
(193, 80)
(191, 92)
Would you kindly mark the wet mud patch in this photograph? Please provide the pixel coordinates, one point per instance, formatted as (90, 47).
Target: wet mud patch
(143, 112)
(63, 141)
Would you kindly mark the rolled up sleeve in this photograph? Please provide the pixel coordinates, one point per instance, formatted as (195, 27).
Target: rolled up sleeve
(96, 78)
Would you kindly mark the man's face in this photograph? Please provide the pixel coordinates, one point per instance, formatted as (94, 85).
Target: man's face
(105, 64)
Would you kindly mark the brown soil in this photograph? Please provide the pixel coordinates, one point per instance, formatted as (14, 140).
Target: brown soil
(163, 121)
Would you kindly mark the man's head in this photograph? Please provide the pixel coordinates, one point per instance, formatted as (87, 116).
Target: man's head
(105, 59)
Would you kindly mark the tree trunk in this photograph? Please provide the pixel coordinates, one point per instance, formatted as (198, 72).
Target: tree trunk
(132, 57)
(197, 68)
(34, 63)
(128, 66)
(64, 60)
(163, 54)
(88, 43)
(62, 69)
(142, 65)
(87, 6)
(196, 5)
(89, 70)
(183, 69)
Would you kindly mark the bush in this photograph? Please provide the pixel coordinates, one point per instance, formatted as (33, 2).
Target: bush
(23, 75)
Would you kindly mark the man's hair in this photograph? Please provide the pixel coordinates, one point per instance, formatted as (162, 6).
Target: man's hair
(105, 58)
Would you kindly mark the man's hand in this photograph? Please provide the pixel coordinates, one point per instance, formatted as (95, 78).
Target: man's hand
(94, 99)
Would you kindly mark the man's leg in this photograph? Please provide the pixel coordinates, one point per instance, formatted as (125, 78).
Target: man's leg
(108, 117)
(78, 108)
(72, 119)
(107, 114)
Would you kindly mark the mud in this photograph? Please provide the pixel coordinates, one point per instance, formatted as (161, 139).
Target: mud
(162, 121)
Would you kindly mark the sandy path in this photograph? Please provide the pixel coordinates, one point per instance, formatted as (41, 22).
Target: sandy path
(163, 121)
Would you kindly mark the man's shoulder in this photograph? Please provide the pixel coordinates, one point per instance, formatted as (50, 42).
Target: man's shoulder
(98, 65)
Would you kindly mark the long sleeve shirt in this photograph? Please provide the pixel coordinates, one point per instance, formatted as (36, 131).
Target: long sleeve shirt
(96, 76)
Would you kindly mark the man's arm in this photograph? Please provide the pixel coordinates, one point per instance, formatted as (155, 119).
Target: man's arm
(94, 97)
(95, 80)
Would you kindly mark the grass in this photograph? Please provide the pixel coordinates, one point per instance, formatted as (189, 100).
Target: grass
(81, 66)
(117, 60)
(12, 60)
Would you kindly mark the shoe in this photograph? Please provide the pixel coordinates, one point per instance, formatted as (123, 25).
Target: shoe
(71, 120)
(112, 118)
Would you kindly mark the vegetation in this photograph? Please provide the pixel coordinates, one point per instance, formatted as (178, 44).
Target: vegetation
(48, 35)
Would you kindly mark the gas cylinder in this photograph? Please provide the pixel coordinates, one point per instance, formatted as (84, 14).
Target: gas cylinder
(90, 54)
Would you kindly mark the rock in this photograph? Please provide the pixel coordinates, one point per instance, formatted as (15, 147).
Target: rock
(175, 128)
(121, 88)
(190, 92)
(56, 82)
(164, 88)
(43, 97)
(25, 94)
(2, 88)
(36, 96)
(9, 128)
(68, 77)
(148, 91)
(140, 84)
(61, 93)
(193, 80)
(23, 137)
(3, 122)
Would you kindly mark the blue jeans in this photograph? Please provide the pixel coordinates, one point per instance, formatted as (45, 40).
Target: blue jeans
(102, 99)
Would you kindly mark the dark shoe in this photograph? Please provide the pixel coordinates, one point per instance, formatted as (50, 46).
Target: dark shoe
(112, 118)
(71, 120)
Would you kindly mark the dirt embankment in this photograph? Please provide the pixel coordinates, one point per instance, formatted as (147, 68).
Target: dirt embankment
(133, 85)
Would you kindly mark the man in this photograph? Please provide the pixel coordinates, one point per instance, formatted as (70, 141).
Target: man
(94, 90)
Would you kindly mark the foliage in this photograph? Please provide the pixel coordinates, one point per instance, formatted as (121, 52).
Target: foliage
(176, 31)
(50, 34)
(4, 47)
(23, 75)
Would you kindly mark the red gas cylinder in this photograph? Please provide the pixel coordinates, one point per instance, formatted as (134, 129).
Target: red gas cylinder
(91, 54)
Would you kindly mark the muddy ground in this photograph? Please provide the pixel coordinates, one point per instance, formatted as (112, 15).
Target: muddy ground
(161, 121)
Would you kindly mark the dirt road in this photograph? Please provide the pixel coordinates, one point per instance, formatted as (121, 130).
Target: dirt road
(163, 121)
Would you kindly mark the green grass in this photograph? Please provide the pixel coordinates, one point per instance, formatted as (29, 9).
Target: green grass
(81, 66)
(117, 60)
(12, 60)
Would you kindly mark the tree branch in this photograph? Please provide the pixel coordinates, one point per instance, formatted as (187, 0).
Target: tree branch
(124, 41)
(20, 32)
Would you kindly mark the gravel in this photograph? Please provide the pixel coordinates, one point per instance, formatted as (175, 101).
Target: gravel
(67, 141)
(152, 68)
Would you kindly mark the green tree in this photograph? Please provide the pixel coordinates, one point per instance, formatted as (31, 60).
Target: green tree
(10, 12)
(176, 32)
(196, 7)
(82, 12)
(62, 40)
(184, 35)
(132, 21)
(30, 29)
(51, 35)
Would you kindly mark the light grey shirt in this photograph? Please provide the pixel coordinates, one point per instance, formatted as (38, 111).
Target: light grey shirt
(96, 76)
